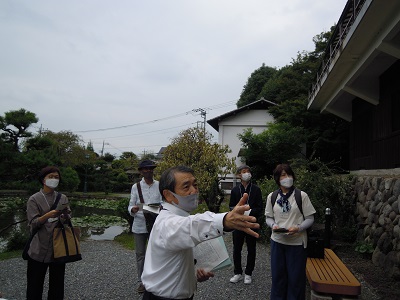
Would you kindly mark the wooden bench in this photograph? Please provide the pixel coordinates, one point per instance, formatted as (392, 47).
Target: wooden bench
(330, 276)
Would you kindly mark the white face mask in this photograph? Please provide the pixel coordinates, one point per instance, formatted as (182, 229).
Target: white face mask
(246, 177)
(287, 182)
(52, 182)
(187, 203)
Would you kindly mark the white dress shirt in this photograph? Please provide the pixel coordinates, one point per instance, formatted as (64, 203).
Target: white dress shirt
(169, 269)
(151, 194)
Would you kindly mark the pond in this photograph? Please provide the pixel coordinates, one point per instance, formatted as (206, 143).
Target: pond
(95, 223)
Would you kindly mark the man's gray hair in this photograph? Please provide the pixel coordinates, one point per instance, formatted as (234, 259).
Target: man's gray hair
(167, 179)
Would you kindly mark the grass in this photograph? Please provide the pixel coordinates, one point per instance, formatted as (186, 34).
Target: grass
(126, 240)
(10, 254)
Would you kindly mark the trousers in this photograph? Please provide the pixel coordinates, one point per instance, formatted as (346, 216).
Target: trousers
(238, 240)
(140, 249)
(288, 270)
(36, 273)
(150, 296)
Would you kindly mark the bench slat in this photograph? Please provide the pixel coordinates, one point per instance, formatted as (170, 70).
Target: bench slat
(330, 275)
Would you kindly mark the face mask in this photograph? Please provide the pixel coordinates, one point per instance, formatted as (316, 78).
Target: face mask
(52, 183)
(287, 182)
(246, 177)
(187, 203)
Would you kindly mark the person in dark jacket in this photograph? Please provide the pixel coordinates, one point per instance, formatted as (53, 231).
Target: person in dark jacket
(255, 203)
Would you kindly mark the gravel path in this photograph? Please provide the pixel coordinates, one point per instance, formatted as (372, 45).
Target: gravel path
(108, 271)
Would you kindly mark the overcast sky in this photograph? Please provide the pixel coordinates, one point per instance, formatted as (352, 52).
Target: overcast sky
(128, 73)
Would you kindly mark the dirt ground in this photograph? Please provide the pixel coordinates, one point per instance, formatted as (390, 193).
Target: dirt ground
(365, 271)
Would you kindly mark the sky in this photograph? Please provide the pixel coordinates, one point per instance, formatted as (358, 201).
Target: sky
(129, 75)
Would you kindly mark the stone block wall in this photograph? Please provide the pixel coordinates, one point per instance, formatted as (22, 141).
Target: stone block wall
(377, 212)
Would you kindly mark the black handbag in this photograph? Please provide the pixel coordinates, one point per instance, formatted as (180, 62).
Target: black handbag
(25, 255)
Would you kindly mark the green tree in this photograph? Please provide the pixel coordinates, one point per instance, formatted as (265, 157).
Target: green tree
(15, 124)
(324, 135)
(70, 179)
(68, 146)
(193, 148)
(252, 90)
(108, 157)
(277, 144)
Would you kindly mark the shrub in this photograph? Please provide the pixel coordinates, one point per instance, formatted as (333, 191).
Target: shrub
(17, 240)
(364, 248)
(326, 189)
(122, 211)
(70, 180)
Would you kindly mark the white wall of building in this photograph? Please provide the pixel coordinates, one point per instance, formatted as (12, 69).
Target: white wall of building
(230, 127)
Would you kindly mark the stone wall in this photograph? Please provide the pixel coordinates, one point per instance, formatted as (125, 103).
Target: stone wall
(377, 211)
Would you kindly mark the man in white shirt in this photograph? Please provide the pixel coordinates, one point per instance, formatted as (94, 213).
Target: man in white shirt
(169, 269)
(151, 194)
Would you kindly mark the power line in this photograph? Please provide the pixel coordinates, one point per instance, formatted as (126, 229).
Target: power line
(157, 120)
(141, 133)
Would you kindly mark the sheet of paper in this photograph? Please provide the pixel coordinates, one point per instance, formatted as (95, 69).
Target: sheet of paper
(151, 208)
(247, 212)
(211, 255)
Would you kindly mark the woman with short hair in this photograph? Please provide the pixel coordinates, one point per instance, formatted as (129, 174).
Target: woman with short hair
(43, 216)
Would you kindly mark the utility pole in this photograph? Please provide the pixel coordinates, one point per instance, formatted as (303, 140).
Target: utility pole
(203, 113)
(102, 150)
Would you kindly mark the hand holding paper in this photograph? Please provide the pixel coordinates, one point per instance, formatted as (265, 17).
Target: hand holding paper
(212, 255)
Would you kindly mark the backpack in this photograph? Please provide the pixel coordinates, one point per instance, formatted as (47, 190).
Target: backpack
(315, 244)
(149, 216)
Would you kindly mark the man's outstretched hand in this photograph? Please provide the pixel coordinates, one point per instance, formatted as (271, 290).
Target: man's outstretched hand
(235, 219)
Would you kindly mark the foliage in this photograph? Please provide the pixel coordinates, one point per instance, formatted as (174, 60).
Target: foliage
(193, 148)
(70, 180)
(98, 203)
(10, 254)
(364, 247)
(15, 124)
(12, 204)
(17, 240)
(108, 157)
(267, 186)
(98, 221)
(279, 143)
(326, 189)
(122, 210)
(252, 89)
(324, 136)
(68, 147)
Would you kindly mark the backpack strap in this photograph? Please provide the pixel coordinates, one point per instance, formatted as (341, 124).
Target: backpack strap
(139, 189)
(297, 197)
(273, 197)
(299, 200)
